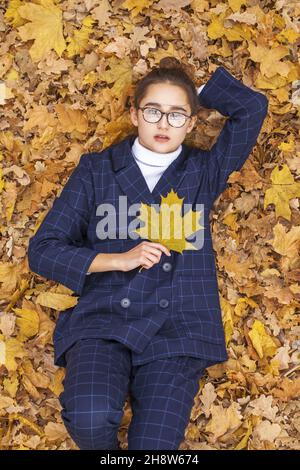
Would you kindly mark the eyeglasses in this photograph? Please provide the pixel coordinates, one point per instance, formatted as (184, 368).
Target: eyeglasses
(154, 115)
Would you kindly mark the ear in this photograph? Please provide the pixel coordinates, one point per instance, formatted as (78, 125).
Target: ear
(192, 123)
(133, 115)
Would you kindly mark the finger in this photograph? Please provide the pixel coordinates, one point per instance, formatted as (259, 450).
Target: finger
(153, 250)
(164, 249)
(152, 257)
(167, 251)
(160, 247)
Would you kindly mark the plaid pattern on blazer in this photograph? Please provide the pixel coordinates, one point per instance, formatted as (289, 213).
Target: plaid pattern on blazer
(172, 308)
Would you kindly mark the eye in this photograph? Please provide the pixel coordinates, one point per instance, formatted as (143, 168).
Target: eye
(152, 111)
(176, 115)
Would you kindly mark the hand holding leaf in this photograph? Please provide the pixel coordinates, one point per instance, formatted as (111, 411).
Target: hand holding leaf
(168, 227)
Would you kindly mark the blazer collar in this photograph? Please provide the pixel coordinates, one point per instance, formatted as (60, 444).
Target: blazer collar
(132, 181)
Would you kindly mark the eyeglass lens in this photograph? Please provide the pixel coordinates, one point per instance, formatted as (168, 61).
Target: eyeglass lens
(154, 115)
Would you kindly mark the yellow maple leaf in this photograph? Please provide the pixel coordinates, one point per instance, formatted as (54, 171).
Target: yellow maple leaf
(44, 26)
(12, 15)
(262, 342)
(79, 42)
(120, 74)
(270, 59)
(11, 384)
(38, 379)
(56, 301)
(288, 35)
(242, 307)
(167, 226)
(284, 189)
(224, 419)
(248, 363)
(217, 29)
(71, 120)
(8, 276)
(273, 367)
(10, 349)
(136, 6)
(287, 146)
(28, 321)
(286, 243)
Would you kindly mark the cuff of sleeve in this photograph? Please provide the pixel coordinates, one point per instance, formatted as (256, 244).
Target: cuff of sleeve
(76, 279)
(221, 80)
(204, 96)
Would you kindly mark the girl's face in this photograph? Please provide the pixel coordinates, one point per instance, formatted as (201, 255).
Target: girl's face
(166, 98)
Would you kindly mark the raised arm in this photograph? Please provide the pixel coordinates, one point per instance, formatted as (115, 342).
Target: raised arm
(246, 110)
(55, 250)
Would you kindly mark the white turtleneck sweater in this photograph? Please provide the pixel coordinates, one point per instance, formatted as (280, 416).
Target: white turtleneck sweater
(153, 164)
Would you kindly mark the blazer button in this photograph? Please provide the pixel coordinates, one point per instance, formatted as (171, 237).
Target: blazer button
(163, 303)
(125, 302)
(167, 267)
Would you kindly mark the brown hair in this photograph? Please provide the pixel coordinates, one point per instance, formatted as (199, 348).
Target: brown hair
(169, 70)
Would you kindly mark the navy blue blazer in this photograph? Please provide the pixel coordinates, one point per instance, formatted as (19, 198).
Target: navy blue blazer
(172, 308)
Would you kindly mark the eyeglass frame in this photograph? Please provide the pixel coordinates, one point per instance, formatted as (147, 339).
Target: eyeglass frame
(162, 113)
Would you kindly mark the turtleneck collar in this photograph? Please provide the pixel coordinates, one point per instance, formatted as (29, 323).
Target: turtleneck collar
(151, 158)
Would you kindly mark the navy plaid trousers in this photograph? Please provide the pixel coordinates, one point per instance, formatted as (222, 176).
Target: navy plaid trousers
(100, 377)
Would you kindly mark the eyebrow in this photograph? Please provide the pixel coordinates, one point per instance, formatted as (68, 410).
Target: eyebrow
(171, 107)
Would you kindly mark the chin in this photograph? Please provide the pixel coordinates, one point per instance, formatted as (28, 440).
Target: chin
(158, 149)
(163, 148)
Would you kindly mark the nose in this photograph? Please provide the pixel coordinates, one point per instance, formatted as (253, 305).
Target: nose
(163, 123)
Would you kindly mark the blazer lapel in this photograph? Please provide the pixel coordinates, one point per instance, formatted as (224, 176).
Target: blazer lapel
(131, 179)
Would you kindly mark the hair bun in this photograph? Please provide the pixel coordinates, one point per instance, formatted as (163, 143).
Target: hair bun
(170, 62)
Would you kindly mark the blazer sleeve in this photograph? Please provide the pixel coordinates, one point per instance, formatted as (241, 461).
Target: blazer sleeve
(246, 110)
(55, 251)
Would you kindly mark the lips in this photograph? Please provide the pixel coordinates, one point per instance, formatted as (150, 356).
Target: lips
(161, 137)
